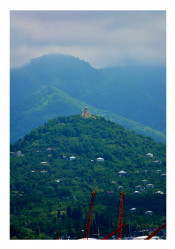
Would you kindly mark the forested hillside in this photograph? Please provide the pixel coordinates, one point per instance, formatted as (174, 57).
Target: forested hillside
(50, 192)
(55, 85)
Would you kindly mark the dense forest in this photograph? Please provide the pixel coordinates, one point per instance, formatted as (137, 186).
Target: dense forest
(54, 169)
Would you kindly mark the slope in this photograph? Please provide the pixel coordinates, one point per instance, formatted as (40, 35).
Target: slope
(49, 192)
(49, 102)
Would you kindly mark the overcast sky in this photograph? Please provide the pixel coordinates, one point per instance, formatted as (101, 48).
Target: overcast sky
(103, 38)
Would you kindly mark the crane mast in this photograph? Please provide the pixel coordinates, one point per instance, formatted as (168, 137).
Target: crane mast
(88, 223)
(120, 218)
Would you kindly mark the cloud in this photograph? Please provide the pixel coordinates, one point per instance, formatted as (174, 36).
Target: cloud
(103, 38)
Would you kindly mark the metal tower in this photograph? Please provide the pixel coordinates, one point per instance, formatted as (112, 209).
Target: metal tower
(88, 223)
(120, 218)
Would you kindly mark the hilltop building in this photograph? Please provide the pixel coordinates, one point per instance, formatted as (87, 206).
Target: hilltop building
(85, 113)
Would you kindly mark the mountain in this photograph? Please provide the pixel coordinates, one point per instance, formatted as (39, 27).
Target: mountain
(54, 85)
(49, 192)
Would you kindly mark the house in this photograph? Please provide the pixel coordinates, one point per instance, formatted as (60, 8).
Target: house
(148, 186)
(156, 161)
(43, 162)
(149, 155)
(149, 212)
(145, 171)
(122, 173)
(132, 210)
(163, 175)
(159, 171)
(49, 149)
(136, 192)
(72, 158)
(120, 187)
(43, 171)
(144, 181)
(100, 159)
(114, 182)
(159, 192)
(58, 180)
(19, 153)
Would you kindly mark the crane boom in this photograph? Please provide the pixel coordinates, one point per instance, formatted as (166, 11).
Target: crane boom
(88, 223)
(118, 229)
(154, 233)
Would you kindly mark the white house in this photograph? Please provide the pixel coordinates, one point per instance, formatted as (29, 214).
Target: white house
(100, 159)
(132, 210)
(58, 180)
(49, 149)
(144, 181)
(120, 187)
(122, 173)
(19, 153)
(149, 212)
(159, 171)
(136, 192)
(156, 161)
(149, 154)
(159, 192)
(72, 158)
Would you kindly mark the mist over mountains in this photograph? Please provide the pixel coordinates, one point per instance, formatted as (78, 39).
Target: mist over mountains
(61, 85)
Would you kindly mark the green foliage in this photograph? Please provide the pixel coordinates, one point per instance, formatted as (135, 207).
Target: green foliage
(58, 85)
(50, 193)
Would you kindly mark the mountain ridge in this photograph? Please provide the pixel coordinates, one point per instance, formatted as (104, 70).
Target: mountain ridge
(97, 88)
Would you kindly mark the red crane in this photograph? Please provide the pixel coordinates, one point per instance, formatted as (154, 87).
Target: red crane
(116, 231)
(88, 223)
(120, 218)
(154, 233)
(57, 234)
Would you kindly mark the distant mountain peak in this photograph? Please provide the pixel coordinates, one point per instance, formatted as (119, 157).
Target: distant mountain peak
(58, 57)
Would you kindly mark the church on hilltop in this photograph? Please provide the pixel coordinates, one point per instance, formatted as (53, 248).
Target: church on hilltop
(85, 113)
